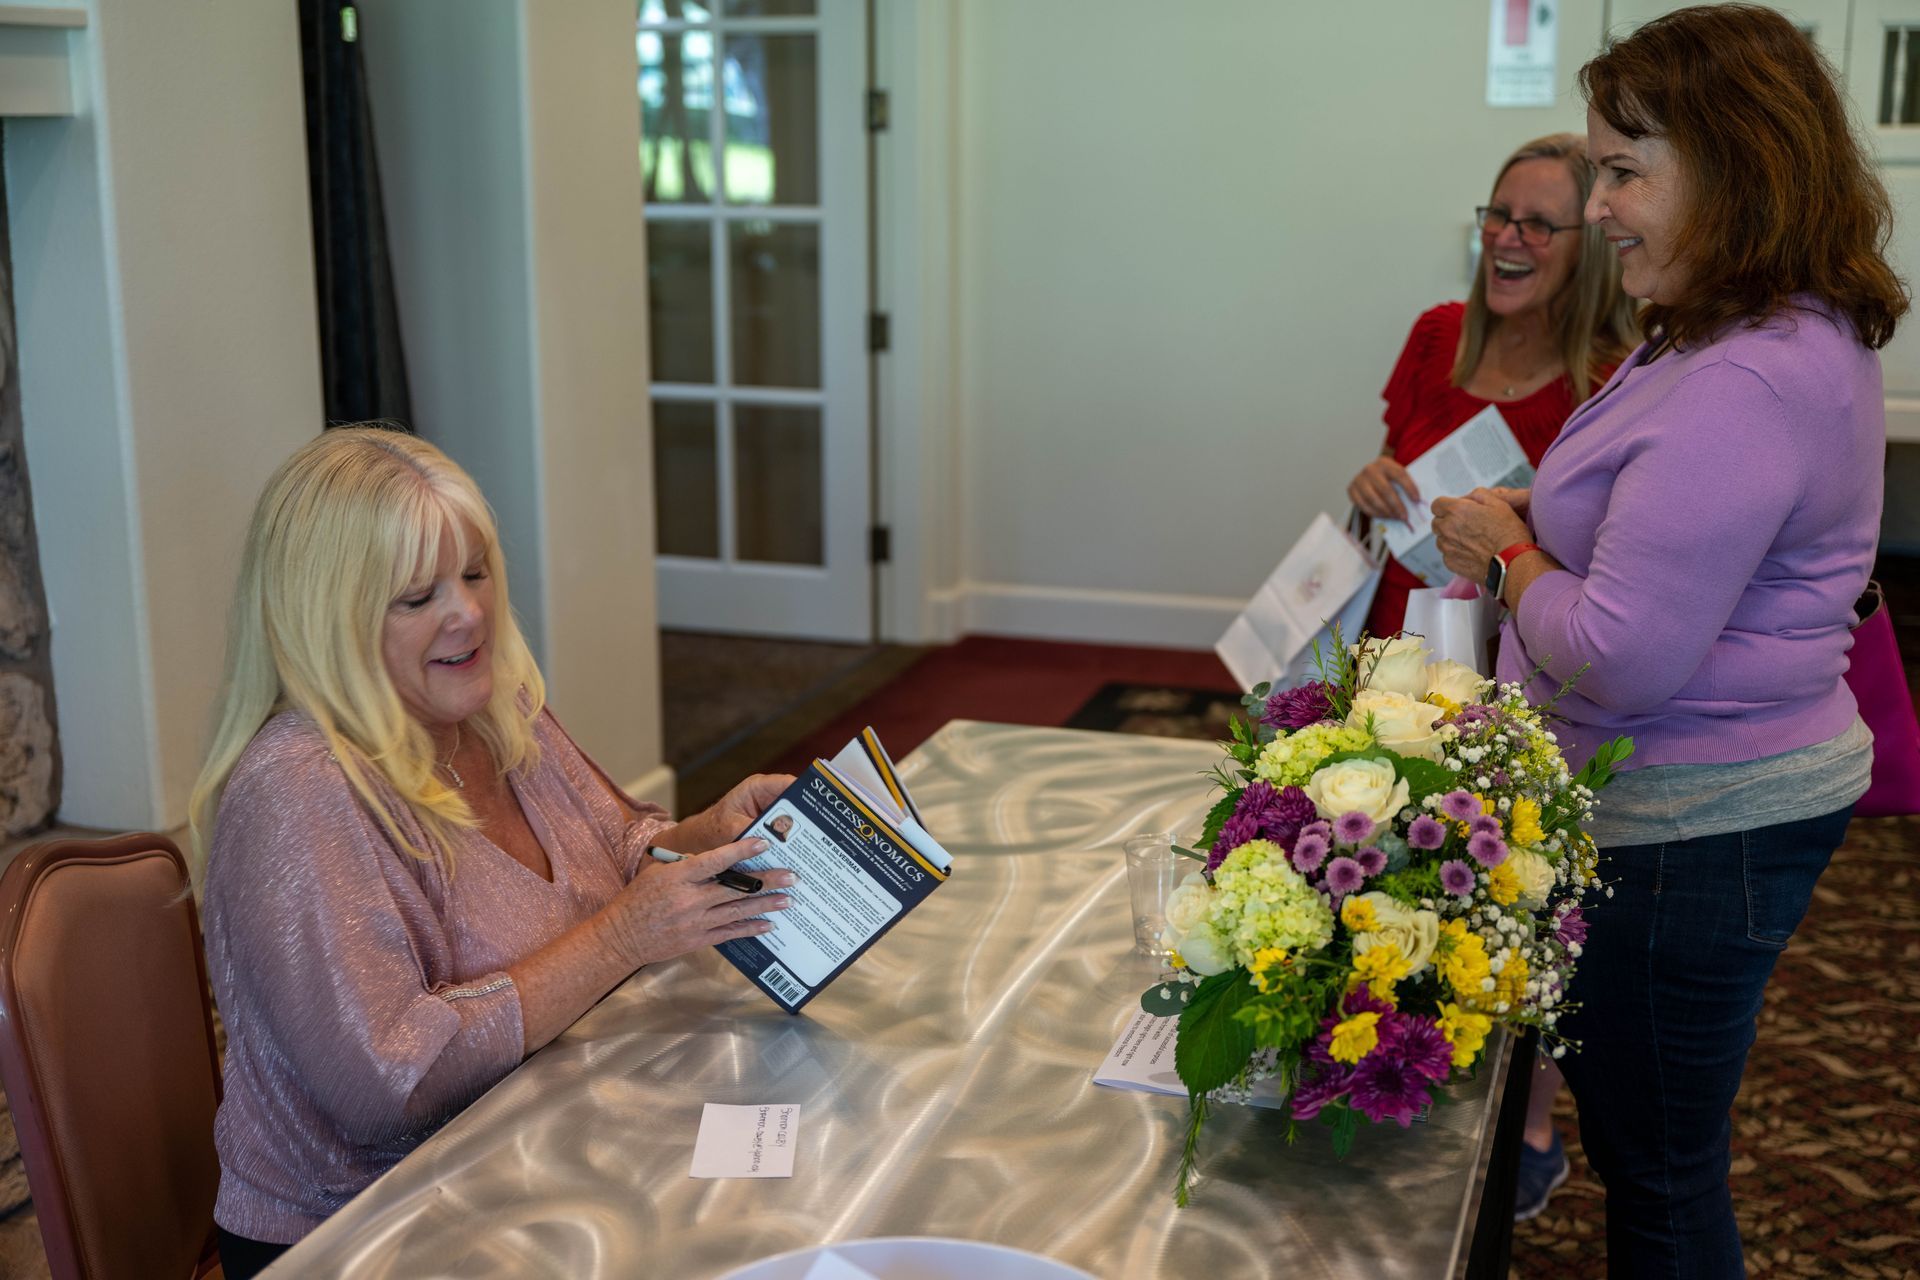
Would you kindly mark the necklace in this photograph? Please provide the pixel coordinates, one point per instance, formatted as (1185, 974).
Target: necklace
(458, 782)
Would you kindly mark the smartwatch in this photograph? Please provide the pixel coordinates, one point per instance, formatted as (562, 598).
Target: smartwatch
(1498, 566)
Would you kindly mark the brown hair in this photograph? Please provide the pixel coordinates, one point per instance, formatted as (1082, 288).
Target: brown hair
(1781, 198)
(1592, 318)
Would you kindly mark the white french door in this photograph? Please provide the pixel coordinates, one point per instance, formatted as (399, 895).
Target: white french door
(753, 155)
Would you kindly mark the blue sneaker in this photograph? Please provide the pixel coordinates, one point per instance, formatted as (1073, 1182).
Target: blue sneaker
(1541, 1174)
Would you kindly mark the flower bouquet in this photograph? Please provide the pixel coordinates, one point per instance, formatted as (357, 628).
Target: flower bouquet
(1395, 867)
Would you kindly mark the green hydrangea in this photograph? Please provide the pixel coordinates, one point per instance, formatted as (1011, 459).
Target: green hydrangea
(1260, 901)
(1291, 760)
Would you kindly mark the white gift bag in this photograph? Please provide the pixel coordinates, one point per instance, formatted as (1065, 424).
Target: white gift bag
(1455, 626)
(1326, 578)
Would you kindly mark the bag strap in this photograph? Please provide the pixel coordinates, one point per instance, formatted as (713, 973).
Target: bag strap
(1876, 595)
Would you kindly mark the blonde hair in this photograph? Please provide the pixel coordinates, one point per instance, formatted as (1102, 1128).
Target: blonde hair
(346, 525)
(1593, 318)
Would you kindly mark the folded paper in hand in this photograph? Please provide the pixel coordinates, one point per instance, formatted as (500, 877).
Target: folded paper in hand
(1326, 578)
(1481, 453)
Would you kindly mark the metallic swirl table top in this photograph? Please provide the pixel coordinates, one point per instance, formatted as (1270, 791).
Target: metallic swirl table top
(945, 1084)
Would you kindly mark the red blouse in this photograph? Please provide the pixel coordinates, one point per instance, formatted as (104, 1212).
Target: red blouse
(1423, 407)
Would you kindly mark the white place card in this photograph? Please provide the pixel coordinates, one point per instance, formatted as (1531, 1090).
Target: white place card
(1142, 1060)
(746, 1142)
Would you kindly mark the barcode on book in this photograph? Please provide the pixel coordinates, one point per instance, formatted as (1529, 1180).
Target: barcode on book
(783, 984)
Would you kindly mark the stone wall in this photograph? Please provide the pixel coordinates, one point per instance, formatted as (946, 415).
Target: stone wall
(29, 755)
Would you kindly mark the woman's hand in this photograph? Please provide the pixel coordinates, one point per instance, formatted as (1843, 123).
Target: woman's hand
(671, 908)
(727, 817)
(1377, 489)
(1521, 500)
(1470, 531)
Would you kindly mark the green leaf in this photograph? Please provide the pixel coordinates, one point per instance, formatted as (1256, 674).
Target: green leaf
(1213, 1045)
(1346, 1123)
(1217, 817)
(1598, 772)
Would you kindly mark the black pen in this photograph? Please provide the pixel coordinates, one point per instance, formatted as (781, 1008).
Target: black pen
(738, 881)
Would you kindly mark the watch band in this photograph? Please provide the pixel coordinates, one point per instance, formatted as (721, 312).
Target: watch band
(1508, 555)
(1501, 562)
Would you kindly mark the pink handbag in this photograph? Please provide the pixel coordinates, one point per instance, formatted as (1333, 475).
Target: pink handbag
(1880, 686)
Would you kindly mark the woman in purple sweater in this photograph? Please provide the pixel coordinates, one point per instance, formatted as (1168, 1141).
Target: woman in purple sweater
(1694, 543)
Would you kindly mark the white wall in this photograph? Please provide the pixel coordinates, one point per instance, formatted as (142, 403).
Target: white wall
(508, 133)
(168, 361)
(1188, 246)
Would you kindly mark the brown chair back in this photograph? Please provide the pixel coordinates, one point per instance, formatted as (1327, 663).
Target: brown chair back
(107, 1056)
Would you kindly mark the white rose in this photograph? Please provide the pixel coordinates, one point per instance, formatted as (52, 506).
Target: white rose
(1456, 682)
(1203, 954)
(1365, 786)
(1414, 932)
(1398, 665)
(1187, 907)
(1400, 722)
(1535, 874)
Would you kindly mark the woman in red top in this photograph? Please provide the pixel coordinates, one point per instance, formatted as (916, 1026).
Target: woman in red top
(1542, 329)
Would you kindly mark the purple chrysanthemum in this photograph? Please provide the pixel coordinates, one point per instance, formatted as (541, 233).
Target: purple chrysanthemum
(1488, 850)
(1426, 833)
(1263, 813)
(1418, 1043)
(1299, 707)
(1321, 828)
(1236, 831)
(1309, 851)
(1456, 877)
(1460, 805)
(1486, 822)
(1319, 1087)
(1344, 876)
(1372, 859)
(1289, 814)
(1353, 826)
(1500, 778)
(1572, 927)
(1388, 1088)
(1359, 1000)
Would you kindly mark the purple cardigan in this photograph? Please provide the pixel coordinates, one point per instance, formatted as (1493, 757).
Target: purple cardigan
(1717, 512)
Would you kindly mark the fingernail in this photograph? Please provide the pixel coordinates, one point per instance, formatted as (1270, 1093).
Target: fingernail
(778, 902)
(758, 845)
(781, 879)
(763, 927)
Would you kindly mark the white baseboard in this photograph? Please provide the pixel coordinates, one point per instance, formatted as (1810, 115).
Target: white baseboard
(657, 786)
(1094, 617)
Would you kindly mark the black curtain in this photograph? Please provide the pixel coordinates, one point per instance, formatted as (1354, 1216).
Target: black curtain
(362, 365)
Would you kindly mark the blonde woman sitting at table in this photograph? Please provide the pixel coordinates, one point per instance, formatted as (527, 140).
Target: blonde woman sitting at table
(414, 877)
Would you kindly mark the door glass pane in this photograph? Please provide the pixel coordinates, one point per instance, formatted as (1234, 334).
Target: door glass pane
(776, 484)
(1900, 77)
(680, 300)
(767, 8)
(676, 101)
(773, 123)
(686, 481)
(652, 11)
(775, 288)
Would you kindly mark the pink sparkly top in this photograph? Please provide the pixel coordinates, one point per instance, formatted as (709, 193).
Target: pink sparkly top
(365, 991)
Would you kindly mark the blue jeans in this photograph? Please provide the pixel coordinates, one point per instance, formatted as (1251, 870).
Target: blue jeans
(1669, 986)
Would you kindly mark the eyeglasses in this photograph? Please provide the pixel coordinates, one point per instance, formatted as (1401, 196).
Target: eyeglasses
(1533, 231)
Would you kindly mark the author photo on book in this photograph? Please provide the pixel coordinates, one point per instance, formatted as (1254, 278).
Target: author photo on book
(413, 877)
(1694, 543)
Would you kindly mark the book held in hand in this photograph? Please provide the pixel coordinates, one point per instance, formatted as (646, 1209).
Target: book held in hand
(848, 829)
